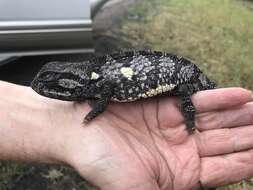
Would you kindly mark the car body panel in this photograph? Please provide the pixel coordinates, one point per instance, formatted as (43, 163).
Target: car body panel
(42, 37)
(31, 27)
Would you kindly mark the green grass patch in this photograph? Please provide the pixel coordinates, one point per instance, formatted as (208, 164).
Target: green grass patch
(8, 171)
(217, 35)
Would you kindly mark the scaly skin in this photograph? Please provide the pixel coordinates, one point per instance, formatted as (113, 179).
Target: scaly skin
(124, 77)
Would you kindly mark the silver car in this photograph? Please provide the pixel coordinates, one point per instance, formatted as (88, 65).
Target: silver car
(32, 27)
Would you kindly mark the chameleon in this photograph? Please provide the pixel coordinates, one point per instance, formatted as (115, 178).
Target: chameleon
(124, 77)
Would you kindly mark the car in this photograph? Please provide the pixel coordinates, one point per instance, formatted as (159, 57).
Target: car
(31, 27)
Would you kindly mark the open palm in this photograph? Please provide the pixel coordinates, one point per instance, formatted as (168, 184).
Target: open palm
(144, 145)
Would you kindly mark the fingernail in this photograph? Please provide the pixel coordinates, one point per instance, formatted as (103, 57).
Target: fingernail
(251, 94)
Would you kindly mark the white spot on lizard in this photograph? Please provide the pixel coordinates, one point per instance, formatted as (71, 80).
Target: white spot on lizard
(127, 72)
(94, 76)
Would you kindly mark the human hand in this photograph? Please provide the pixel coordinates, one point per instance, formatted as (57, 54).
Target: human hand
(141, 145)
(144, 145)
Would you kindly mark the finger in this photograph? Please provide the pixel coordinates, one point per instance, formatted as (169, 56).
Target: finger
(204, 101)
(222, 170)
(224, 141)
(223, 98)
(234, 117)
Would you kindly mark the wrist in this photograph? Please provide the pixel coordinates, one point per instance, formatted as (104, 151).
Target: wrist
(26, 131)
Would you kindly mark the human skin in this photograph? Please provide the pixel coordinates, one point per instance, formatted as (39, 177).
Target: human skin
(141, 145)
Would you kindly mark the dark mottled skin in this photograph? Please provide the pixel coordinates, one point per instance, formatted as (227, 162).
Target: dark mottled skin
(123, 77)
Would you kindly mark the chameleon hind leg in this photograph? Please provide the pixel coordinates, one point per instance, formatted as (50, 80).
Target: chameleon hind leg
(187, 108)
(188, 111)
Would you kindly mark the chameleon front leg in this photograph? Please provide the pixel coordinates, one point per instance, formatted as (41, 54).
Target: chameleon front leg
(99, 105)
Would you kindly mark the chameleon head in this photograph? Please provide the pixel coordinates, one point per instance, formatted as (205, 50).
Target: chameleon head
(63, 80)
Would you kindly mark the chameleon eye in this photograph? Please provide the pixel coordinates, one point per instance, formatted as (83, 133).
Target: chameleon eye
(46, 77)
(68, 83)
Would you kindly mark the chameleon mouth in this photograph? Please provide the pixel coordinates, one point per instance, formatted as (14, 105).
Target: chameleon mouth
(37, 86)
(44, 90)
(41, 88)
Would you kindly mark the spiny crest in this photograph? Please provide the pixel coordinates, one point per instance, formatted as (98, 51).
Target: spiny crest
(133, 53)
(99, 60)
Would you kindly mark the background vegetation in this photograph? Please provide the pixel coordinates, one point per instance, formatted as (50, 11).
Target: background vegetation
(217, 35)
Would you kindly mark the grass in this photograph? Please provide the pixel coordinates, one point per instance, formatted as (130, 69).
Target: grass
(217, 35)
(8, 170)
(16, 176)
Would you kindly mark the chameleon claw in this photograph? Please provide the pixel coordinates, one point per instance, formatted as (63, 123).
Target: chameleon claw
(191, 130)
(86, 120)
